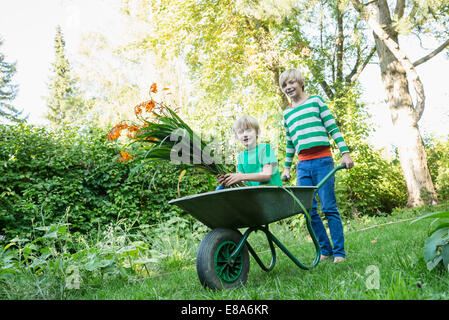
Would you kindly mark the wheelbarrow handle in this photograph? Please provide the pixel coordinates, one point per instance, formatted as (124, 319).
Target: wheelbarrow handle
(330, 174)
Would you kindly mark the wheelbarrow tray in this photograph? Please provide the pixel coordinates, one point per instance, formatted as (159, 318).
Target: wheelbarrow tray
(246, 206)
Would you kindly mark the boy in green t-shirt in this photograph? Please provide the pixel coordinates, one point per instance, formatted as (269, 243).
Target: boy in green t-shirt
(257, 165)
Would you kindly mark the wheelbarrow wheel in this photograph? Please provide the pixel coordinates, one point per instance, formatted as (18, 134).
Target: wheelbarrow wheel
(215, 269)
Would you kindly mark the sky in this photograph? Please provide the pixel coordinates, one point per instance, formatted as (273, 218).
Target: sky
(28, 27)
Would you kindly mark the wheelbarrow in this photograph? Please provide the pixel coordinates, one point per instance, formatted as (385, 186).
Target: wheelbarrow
(222, 260)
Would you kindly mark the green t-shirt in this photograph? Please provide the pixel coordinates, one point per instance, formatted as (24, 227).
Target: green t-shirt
(253, 160)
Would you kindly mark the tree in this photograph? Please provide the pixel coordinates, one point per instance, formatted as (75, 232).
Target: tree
(65, 102)
(8, 91)
(236, 50)
(387, 23)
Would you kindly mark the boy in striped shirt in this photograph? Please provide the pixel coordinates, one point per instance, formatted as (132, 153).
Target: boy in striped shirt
(308, 124)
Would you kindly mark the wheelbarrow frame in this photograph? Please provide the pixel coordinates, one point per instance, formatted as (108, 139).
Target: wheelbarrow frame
(272, 240)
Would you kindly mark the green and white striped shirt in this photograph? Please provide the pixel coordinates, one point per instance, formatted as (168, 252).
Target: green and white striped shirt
(309, 125)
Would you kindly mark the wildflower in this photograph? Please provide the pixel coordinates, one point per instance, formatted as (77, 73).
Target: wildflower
(132, 131)
(112, 135)
(125, 156)
(149, 105)
(133, 128)
(116, 131)
(153, 88)
(138, 109)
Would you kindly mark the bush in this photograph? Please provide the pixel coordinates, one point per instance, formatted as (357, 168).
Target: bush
(374, 185)
(438, 160)
(53, 262)
(46, 175)
(74, 173)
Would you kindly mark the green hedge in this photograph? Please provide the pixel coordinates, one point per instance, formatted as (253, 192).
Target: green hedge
(74, 175)
(373, 186)
(438, 160)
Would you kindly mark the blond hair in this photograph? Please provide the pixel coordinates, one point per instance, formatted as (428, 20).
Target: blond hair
(294, 74)
(246, 122)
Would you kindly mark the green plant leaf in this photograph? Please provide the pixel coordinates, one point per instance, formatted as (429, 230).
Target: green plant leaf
(439, 238)
(144, 260)
(8, 245)
(439, 225)
(52, 235)
(97, 264)
(183, 172)
(434, 262)
(445, 255)
(439, 214)
(8, 269)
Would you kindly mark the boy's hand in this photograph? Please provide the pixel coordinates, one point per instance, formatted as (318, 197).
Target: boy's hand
(347, 161)
(231, 178)
(220, 178)
(286, 175)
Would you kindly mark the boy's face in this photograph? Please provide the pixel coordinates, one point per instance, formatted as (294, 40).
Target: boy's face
(247, 136)
(292, 89)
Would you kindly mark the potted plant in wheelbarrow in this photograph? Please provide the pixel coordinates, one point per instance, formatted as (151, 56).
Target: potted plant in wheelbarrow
(222, 259)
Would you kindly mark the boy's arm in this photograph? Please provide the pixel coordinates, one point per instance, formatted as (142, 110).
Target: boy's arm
(290, 150)
(263, 176)
(334, 132)
(289, 154)
(332, 128)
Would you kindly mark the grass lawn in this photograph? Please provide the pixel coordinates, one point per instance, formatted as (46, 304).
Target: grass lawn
(383, 262)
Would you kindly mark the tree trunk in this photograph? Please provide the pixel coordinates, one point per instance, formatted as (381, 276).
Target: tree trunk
(405, 119)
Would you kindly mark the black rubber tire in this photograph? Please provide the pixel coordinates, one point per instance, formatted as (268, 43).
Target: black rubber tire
(205, 259)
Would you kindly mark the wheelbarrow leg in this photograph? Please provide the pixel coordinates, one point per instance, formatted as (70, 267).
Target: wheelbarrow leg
(253, 252)
(292, 257)
(271, 238)
(309, 228)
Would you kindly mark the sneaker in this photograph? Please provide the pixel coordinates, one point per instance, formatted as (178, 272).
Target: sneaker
(322, 258)
(339, 259)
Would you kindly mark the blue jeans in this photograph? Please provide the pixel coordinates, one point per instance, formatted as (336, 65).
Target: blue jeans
(310, 173)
